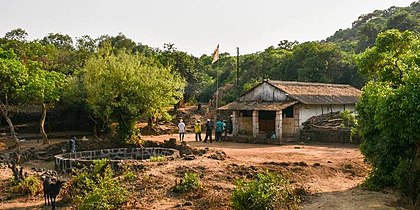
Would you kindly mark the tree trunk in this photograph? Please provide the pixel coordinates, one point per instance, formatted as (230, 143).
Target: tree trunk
(150, 122)
(42, 122)
(14, 162)
(4, 113)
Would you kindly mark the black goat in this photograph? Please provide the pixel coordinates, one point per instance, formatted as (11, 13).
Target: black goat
(51, 189)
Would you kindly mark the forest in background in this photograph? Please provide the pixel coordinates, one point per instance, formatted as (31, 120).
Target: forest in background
(328, 61)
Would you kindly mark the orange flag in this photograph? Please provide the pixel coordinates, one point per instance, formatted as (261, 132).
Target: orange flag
(215, 54)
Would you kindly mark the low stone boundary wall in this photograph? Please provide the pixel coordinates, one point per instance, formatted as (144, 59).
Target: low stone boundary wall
(65, 162)
(328, 135)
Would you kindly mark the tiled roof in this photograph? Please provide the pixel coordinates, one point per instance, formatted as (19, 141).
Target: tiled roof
(318, 93)
(258, 105)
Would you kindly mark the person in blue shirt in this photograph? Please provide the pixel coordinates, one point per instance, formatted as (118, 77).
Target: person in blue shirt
(219, 130)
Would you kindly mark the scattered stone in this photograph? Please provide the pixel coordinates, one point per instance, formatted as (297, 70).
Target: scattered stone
(219, 155)
(329, 161)
(300, 164)
(316, 165)
(188, 203)
(297, 147)
(189, 157)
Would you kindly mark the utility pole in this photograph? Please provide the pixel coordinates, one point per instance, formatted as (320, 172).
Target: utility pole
(237, 66)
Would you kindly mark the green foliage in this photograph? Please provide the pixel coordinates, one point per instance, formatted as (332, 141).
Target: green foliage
(44, 87)
(266, 191)
(159, 158)
(28, 186)
(190, 182)
(123, 87)
(13, 74)
(389, 113)
(365, 29)
(129, 175)
(97, 188)
(349, 119)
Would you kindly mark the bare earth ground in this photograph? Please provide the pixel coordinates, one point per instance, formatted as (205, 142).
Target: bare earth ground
(330, 173)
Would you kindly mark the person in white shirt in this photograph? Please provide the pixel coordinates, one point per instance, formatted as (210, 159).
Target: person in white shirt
(181, 128)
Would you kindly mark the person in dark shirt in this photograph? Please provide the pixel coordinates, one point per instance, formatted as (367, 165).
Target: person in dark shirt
(209, 129)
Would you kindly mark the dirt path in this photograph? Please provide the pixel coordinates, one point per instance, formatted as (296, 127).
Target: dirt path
(330, 172)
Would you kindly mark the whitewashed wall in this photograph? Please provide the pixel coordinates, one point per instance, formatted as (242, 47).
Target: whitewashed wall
(307, 111)
(264, 92)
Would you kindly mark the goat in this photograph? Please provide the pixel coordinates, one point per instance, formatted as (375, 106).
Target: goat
(54, 190)
(51, 187)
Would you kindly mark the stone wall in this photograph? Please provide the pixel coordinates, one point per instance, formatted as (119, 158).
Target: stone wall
(341, 135)
(67, 161)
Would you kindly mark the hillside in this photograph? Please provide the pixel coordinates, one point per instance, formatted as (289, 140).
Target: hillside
(364, 30)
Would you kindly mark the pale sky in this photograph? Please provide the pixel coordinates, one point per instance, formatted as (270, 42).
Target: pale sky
(194, 26)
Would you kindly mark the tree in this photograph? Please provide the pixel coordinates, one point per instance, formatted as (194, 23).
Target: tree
(122, 87)
(389, 112)
(44, 88)
(13, 75)
(16, 34)
(58, 40)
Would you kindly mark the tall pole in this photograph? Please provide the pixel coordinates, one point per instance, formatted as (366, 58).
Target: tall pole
(237, 66)
(217, 84)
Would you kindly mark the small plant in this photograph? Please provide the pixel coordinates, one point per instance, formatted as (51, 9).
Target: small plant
(129, 175)
(266, 191)
(190, 182)
(98, 188)
(349, 119)
(28, 186)
(158, 158)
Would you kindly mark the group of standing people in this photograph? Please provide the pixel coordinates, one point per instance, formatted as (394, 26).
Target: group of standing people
(222, 127)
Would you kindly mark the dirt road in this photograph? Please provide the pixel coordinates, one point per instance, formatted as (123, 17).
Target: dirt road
(330, 173)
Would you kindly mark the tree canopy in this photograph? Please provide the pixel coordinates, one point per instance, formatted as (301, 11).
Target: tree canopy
(389, 112)
(121, 87)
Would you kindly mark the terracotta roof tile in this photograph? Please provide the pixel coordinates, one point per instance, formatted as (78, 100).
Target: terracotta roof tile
(318, 93)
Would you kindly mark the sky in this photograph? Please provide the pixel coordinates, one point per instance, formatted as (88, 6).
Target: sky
(193, 26)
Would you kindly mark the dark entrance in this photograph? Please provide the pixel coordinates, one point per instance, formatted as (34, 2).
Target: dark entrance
(266, 121)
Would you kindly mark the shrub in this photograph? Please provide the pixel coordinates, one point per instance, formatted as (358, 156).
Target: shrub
(158, 158)
(190, 182)
(349, 119)
(129, 175)
(98, 188)
(28, 186)
(266, 191)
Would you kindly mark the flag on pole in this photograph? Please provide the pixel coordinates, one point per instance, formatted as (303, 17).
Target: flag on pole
(216, 54)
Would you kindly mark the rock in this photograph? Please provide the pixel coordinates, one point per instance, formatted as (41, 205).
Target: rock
(189, 157)
(188, 203)
(316, 165)
(219, 155)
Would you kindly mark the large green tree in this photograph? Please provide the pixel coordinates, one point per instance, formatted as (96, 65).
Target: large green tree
(13, 75)
(44, 88)
(121, 87)
(389, 112)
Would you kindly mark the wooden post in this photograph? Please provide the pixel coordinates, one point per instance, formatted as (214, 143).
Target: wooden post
(255, 126)
(279, 125)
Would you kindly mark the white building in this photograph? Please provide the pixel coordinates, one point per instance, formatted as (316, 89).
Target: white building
(280, 107)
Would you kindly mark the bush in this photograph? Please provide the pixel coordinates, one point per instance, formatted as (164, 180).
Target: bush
(266, 191)
(28, 186)
(159, 158)
(190, 182)
(129, 175)
(349, 119)
(98, 188)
